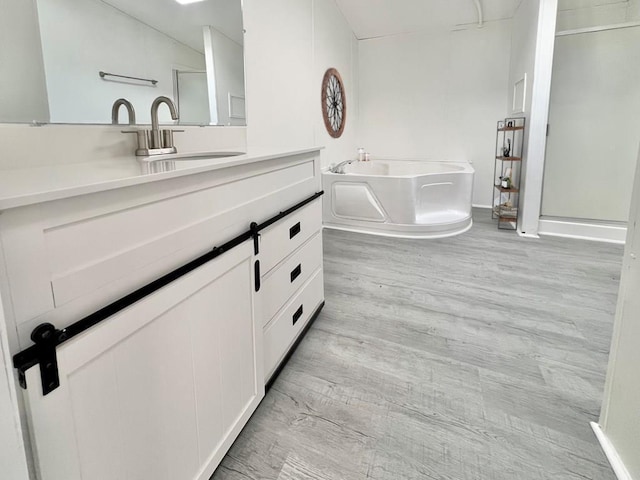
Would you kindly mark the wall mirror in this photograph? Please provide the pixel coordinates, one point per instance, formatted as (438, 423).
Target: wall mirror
(67, 61)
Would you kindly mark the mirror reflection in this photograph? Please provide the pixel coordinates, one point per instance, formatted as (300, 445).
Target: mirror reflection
(68, 61)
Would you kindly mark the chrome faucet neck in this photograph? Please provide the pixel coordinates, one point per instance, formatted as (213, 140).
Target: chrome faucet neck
(156, 141)
(154, 110)
(115, 109)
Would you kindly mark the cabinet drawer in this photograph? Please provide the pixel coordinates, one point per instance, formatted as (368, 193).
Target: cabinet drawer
(282, 238)
(279, 284)
(280, 334)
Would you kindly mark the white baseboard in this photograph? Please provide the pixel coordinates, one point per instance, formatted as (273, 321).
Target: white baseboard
(527, 235)
(584, 230)
(610, 452)
(475, 205)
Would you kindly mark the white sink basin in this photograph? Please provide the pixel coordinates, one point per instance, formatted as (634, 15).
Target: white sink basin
(169, 162)
(189, 156)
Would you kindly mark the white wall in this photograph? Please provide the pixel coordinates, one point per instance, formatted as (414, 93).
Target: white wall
(594, 125)
(620, 416)
(73, 32)
(23, 92)
(436, 96)
(288, 46)
(279, 58)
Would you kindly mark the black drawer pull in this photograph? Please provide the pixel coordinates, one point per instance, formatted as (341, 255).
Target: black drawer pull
(295, 273)
(293, 231)
(256, 274)
(297, 315)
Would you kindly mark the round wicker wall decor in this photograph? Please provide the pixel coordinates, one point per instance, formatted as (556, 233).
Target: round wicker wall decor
(334, 103)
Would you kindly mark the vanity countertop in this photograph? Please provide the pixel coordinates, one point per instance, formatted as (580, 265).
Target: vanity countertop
(26, 186)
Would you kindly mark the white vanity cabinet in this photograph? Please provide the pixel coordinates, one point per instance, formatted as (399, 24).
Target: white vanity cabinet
(161, 388)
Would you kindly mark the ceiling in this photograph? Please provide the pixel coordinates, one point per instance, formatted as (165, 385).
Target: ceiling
(367, 18)
(378, 18)
(578, 4)
(184, 22)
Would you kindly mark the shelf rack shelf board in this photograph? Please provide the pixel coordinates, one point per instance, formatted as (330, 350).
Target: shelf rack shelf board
(510, 129)
(507, 190)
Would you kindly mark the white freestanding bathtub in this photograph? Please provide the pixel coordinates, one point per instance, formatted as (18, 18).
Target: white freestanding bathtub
(400, 198)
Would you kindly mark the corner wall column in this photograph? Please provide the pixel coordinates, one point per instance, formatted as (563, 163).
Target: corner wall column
(535, 156)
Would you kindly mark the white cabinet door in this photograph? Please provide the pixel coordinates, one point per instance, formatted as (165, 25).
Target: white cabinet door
(160, 390)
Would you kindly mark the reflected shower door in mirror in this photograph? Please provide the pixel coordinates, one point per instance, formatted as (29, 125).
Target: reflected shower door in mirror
(52, 54)
(192, 97)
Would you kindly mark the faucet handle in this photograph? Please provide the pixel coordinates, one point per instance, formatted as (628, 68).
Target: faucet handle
(142, 134)
(167, 137)
(143, 140)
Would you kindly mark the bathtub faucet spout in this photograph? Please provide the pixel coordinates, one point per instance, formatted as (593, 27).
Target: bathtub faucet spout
(339, 168)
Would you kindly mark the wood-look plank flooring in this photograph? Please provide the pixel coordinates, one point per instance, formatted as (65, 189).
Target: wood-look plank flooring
(478, 357)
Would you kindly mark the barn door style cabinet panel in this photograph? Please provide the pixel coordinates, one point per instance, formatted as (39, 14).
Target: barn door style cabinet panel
(161, 389)
(159, 310)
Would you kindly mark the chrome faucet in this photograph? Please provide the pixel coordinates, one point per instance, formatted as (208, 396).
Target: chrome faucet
(116, 109)
(339, 168)
(162, 139)
(157, 141)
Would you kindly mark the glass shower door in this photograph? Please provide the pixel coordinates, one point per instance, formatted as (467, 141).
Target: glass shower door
(594, 125)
